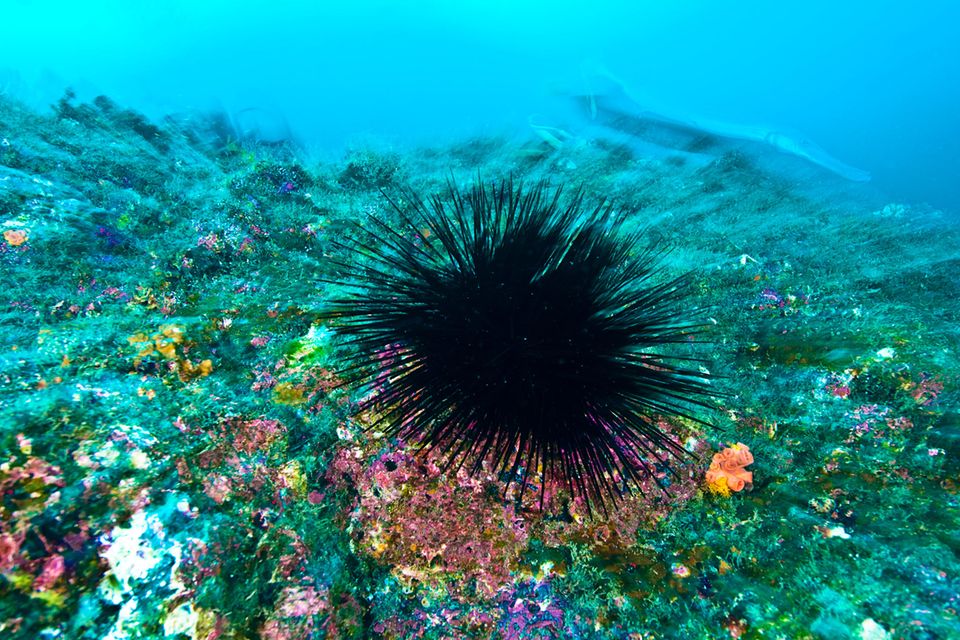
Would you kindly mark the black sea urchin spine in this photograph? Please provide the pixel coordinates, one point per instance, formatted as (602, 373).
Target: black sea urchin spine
(518, 327)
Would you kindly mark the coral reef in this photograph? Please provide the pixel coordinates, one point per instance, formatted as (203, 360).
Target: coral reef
(181, 454)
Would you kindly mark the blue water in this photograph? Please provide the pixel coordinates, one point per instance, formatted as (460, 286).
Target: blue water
(875, 83)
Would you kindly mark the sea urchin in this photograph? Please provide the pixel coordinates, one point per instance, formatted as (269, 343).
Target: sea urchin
(517, 327)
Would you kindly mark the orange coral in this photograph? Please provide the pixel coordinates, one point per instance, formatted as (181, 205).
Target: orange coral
(15, 237)
(727, 473)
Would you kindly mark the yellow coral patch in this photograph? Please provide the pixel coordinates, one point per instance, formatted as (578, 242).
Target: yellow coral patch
(172, 331)
(287, 393)
(293, 476)
(719, 486)
(167, 349)
(190, 371)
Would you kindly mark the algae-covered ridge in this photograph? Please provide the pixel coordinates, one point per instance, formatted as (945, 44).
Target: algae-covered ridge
(180, 458)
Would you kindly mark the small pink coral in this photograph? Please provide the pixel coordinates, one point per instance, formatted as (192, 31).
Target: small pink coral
(53, 568)
(9, 550)
(250, 436)
(218, 487)
(300, 601)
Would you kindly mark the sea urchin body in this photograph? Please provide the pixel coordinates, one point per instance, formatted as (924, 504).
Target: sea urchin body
(519, 328)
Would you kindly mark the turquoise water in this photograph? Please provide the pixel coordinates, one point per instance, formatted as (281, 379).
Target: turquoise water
(874, 83)
(205, 206)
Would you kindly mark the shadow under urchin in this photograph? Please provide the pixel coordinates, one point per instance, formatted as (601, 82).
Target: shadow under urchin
(519, 327)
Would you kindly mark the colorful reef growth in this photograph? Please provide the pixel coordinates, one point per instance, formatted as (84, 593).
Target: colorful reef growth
(196, 443)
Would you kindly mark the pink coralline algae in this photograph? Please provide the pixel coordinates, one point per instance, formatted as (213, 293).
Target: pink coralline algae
(771, 299)
(446, 529)
(9, 549)
(30, 489)
(430, 529)
(839, 390)
(243, 457)
(300, 611)
(53, 568)
(531, 618)
(218, 487)
(871, 422)
(250, 436)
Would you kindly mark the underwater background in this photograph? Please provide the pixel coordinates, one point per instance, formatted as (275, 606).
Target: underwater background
(180, 456)
(877, 84)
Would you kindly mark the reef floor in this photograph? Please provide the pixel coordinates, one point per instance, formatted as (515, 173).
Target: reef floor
(177, 459)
